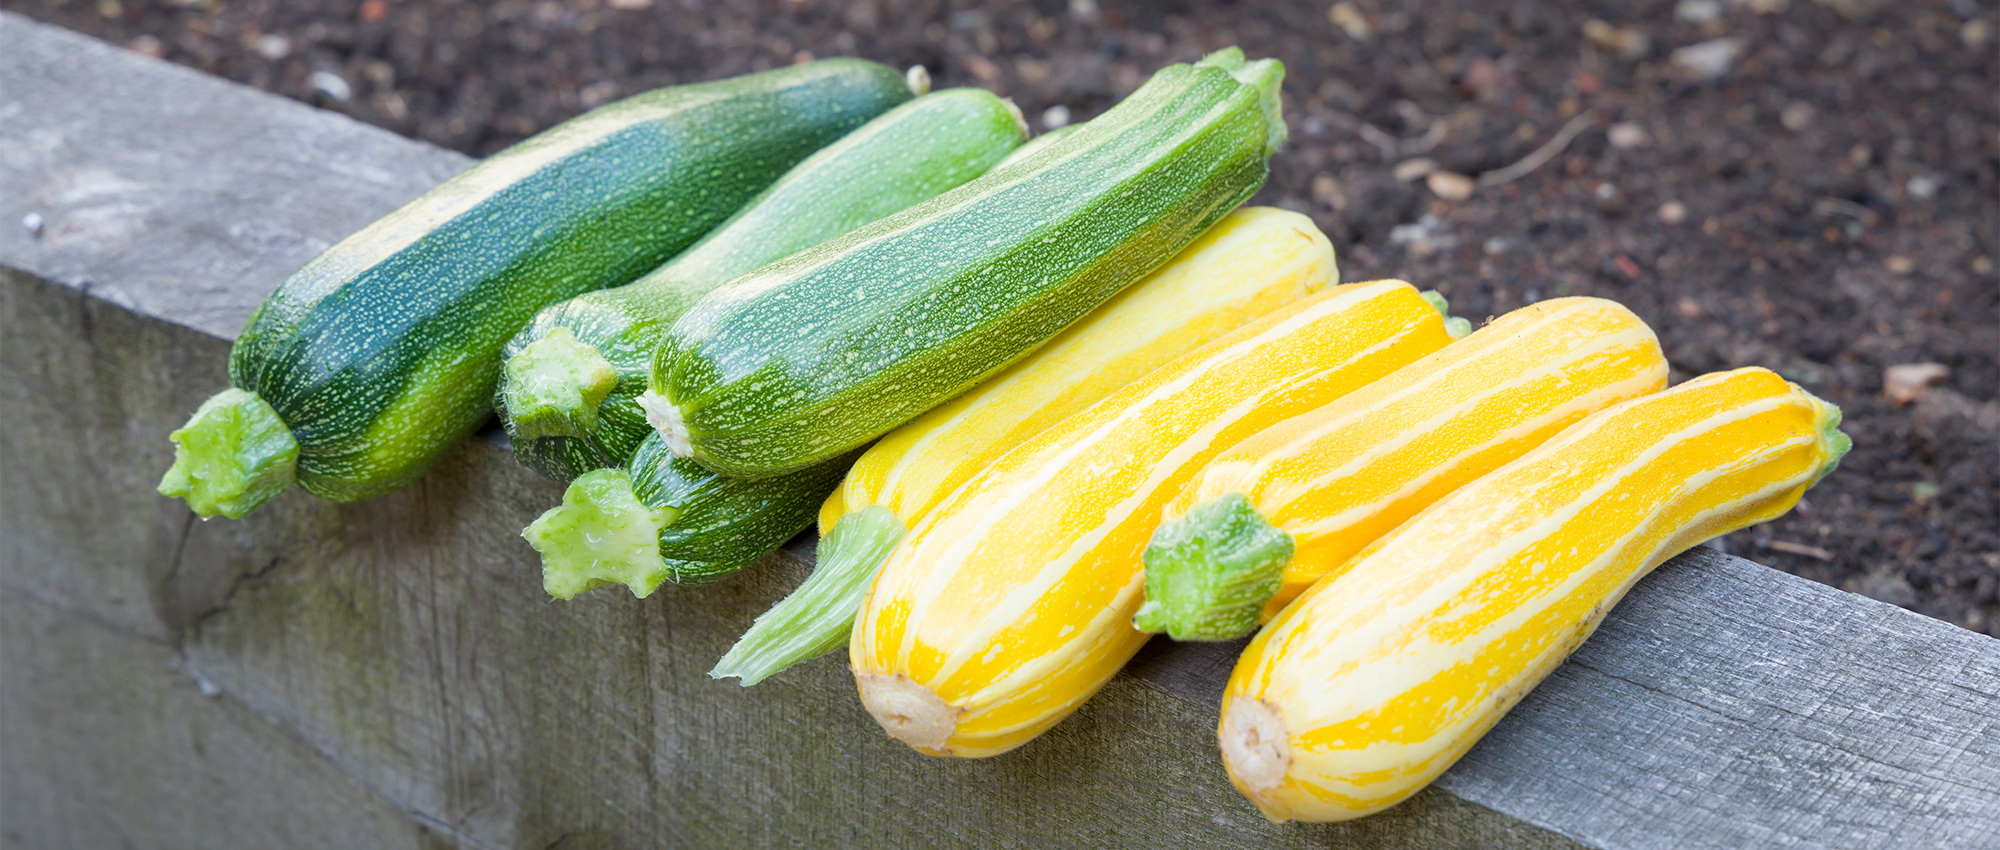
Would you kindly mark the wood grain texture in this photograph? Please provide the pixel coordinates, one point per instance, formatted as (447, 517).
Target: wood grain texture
(400, 650)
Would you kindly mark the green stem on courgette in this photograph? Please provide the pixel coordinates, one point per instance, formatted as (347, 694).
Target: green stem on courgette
(1834, 441)
(233, 454)
(1455, 326)
(816, 618)
(1208, 574)
(601, 534)
(555, 385)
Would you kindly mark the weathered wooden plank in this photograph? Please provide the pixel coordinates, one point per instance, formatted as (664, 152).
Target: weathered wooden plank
(406, 640)
(162, 765)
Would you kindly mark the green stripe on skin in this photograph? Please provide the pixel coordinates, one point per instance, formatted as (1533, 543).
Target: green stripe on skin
(601, 534)
(233, 454)
(1208, 574)
(817, 617)
(555, 385)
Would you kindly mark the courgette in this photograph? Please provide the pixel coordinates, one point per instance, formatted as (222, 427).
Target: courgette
(1379, 677)
(374, 358)
(663, 518)
(566, 394)
(815, 355)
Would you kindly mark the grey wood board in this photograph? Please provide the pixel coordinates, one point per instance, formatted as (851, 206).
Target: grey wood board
(1724, 704)
(108, 745)
(175, 193)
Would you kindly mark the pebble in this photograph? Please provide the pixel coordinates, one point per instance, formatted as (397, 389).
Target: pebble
(331, 84)
(1449, 186)
(1313, 126)
(1796, 115)
(1055, 117)
(1697, 11)
(1673, 212)
(32, 222)
(1495, 246)
(149, 46)
(1922, 188)
(1629, 43)
(1707, 60)
(1626, 135)
(1973, 34)
(1350, 19)
(1899, 264)
(1413, 169)
(1905, 383)
(273, 46)
(1423, 237)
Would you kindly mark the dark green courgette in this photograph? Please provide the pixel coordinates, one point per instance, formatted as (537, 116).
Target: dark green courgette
(809, 357)
(566, 393)
(373, 359)
(663, 518)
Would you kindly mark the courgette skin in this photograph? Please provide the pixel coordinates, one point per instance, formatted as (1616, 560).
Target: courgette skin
(814, 355)
(381, 353)
(725, 523)
(666, 519)
(907, 155)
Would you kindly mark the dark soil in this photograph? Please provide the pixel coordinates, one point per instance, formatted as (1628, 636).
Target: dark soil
(1827, 205)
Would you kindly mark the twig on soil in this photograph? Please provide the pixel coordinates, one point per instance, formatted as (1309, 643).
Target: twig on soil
(1791, 548)
(1542, 155)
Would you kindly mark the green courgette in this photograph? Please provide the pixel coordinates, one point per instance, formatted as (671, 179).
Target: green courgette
(663, 518)
(816, 354)
(567, 391)
(373, 359)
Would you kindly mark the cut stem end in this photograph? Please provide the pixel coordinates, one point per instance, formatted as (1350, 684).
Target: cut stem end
(1208, 574)
(233, 454)
(554, 387)
(601, 534)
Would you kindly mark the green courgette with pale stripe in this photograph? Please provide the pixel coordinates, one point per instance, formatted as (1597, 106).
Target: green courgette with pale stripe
(814, 355)
(567, 391)
(373, 359)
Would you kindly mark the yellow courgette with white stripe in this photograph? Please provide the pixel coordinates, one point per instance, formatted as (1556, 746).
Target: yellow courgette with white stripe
(1255, 260)
(1372, 683)
(1011, 602)
(1288, 506)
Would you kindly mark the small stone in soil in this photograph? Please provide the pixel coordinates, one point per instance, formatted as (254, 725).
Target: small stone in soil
(1413, 169)
(1449, 186)
(1707, 60)
(1673, 212)
(1904, 383)
(1626, 135)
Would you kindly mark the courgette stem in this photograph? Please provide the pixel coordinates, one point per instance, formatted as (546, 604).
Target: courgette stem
(601, 534)
(1208, 574)
(1458, 327)
(1833, 441)
(233, 454)
(816, 618)
(554, 387)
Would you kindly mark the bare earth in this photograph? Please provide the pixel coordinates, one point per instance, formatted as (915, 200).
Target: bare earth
(1808, 186)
